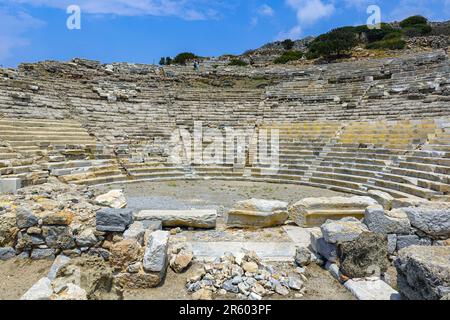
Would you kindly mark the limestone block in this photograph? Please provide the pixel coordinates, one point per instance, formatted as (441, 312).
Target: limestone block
(385, 222)
(59, 262)
(423, 272)
(113, 220)
(433, 222)
(321, 247)
(257, 213)
(113, 199)
(371, 289)
(41, 290)
(383, 198)
(155, 257)
(344, 230)
(10, 185)
(136, 232)
(404, 241)
(204, 219)
(311, 212)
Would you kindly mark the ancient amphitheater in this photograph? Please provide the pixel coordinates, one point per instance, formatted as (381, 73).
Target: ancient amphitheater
(375, 129)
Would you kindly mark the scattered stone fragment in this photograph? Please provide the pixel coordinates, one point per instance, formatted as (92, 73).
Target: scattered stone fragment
(41, 290)
(202, 294)
(181, 261)
(303, 256)
(7, 253)
(25, 218)
(251, 267)
(59, 262)
(113, 199)
(281, 290)
(73, 293)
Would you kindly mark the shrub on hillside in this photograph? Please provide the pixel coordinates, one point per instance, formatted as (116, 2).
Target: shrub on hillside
(334, 44)
(389, 44)
(373, 35)
(184, 57)
(413, 21)
(288, 44)
(417, 30)
(289, 56)
(238, 62)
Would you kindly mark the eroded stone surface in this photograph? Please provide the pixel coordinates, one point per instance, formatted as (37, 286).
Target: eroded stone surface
(423, 272)
(257, 213)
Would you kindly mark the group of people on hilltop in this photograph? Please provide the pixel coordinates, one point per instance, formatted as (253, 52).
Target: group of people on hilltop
(196, 65)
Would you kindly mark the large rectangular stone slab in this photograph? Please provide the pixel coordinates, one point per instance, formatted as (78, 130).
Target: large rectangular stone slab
(267, 251)
(313, 212)
(10, 185)
(375, 289)
(203, 219)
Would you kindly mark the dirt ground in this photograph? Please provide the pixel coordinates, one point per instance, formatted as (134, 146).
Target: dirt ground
(320, 286)
(211, 194)
(18, 275)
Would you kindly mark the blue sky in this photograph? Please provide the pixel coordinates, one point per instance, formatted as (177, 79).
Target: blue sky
(142, 31)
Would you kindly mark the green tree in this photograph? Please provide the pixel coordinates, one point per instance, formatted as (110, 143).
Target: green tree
(289, 56)
(334, 44)
(288, 44)
(413, 21)
(184, 57)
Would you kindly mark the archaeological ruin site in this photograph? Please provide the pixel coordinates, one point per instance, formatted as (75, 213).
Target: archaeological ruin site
(226, 182)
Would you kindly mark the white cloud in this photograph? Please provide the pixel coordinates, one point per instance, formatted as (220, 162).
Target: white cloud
(293, 33)
(431, 9)
(184, 9)
(13, 27)
(266, 10)
(308, 12)
(360, 4)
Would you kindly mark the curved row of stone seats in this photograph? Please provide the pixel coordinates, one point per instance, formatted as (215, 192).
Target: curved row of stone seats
(154, 171)
(52, 147)
(389, 134)
(389, 88)
(379, 166)
(217, 107)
